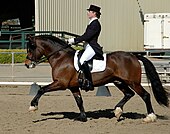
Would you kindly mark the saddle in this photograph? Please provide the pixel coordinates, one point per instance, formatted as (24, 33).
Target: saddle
(96, 64)
(85, 78)
(90, 62)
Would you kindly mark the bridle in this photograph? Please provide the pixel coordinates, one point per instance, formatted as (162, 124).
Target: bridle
(44, 58)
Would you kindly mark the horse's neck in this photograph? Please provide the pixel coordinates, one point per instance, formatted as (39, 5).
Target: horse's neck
(58, 57)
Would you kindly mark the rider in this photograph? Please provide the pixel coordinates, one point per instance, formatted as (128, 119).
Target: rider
(92, 48)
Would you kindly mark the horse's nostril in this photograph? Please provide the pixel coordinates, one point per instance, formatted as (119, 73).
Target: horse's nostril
(27, 65)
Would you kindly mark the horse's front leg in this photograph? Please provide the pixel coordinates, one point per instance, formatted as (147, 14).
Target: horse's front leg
(34, 102)
(77, 95)
(51, 87)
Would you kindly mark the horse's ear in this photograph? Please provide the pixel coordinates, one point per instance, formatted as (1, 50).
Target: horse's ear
(29, 37)
(31, 42)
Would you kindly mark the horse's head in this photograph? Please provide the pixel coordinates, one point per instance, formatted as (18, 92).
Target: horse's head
(44, 45)
(34, 52)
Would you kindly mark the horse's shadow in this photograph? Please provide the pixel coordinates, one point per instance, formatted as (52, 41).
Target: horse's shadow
(108, 113)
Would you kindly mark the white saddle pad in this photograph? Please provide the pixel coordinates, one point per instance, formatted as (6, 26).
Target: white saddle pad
(98, 65)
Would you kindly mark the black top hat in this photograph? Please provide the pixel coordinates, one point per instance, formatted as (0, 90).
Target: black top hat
(94, 8)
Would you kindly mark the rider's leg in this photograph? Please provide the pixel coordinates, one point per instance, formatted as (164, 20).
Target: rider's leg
(88, 82)
(87, 55)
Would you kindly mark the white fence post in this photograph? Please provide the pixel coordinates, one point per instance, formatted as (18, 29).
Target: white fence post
(12, 64)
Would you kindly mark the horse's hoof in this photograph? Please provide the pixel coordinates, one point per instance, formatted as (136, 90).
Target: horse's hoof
(118, 112)
(80, 118)
(33, 108)
(150, 118)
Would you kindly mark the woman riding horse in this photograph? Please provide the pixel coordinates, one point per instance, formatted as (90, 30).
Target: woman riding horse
(92, 48)
(122, 68)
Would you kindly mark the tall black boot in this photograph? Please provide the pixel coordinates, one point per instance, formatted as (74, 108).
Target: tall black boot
(88, 84)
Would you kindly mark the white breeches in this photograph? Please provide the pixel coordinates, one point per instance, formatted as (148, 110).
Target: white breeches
(88, 54)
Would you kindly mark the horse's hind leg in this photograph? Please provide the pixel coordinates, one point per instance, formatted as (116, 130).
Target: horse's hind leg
(77, 95)
(128, 93)
(151, 117)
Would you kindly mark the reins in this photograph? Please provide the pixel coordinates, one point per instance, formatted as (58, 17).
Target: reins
(43, 59)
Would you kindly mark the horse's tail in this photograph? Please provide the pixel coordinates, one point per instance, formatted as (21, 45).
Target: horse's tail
(159, 92)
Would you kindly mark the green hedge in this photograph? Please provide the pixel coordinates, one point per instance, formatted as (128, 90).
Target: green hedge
(7, 58)
(18, 58)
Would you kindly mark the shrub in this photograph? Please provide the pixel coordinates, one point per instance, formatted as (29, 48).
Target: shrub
(19, 56)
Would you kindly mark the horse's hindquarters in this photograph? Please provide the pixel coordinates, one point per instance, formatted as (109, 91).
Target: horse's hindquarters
(125, 66)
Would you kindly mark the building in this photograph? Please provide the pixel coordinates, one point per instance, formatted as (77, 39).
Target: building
(122, 28)
(17, 9)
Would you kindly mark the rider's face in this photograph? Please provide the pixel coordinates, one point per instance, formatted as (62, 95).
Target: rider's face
(91, 14)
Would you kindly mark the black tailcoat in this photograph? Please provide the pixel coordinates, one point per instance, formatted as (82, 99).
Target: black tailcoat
(91, 36)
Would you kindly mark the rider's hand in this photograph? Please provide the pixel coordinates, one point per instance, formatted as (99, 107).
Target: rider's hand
(71, 41)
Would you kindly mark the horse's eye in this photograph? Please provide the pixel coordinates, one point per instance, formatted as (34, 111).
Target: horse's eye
(32, 47)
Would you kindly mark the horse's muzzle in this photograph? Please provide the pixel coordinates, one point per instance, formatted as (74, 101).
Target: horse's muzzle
(30, 64)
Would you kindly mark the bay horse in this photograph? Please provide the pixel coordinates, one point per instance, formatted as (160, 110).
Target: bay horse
(122, 68)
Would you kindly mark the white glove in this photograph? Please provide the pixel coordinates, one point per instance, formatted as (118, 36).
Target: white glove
(71, 41)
